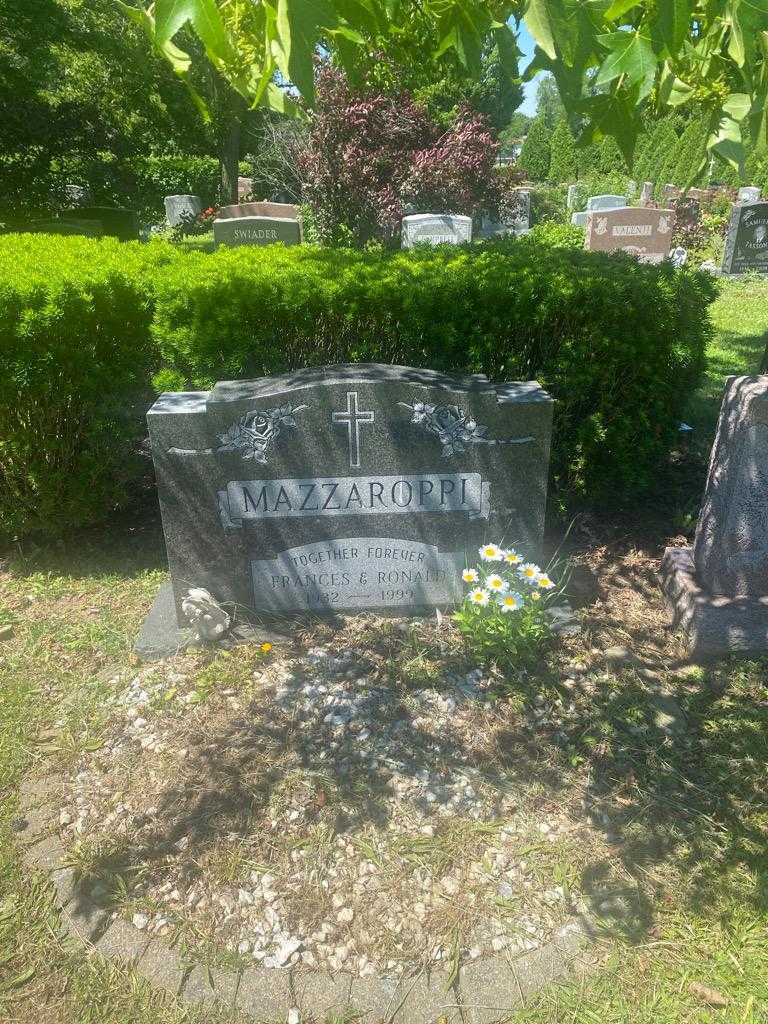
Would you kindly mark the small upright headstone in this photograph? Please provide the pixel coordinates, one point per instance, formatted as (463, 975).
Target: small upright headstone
(670, 192)
(746, 244)
(77, 195)
(244, 188)
(235, 231)
(579, 218)
(719, 588)
(748, 194)
(573, 197)
(262, 209)
(434, 228)
(646, 193)
(646, 233)
(115, 221)
(606, 202)
(345, 488)
(520, 220)
(181, 209)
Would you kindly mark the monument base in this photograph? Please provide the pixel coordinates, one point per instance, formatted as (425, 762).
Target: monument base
(161, 636)
(715, 625)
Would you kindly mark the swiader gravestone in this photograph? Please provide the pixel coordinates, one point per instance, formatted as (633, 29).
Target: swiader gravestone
(346, 488)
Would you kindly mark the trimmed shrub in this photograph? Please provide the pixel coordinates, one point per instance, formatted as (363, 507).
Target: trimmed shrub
(88, 323)
(76, 356)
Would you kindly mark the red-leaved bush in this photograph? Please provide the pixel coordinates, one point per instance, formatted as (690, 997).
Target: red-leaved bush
(371, 158)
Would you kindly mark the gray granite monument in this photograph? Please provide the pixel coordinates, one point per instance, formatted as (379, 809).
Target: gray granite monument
(572, 199)
(746, 243)
(341, 489)
(606, 202)
(434, 228)
(718, 589)
(646, 193)
(748, 194)
(234, 231)
(181, 209)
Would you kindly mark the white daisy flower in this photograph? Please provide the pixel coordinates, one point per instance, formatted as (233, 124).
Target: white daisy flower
(529, 572)
(479, 596)
(535, 596)
(491, 553)
(544, 582)
(496, 584)
(470, 575)
(511, 557)
(510, 602)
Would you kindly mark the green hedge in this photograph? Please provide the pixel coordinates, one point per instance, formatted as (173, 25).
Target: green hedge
(87, 324)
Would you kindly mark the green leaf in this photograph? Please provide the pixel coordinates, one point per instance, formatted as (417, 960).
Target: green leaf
(737, 105)
(204, 16)
(631, 56)
(539, 24)
(298, 33)
(736, 48)
(280, 101)
(726, 142)
(674, 91)
(673, 23)
(619, 8)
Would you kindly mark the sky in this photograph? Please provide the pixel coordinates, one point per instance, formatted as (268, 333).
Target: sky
(526, 44)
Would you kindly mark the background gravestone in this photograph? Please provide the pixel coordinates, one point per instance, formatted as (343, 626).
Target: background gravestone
(182, 209)
(244, 188)
(748, 194)
(719, 588)
(644, 232)
(435, 228)
(670, 192)
(573, 197)
(346, 487)
(646, 193)
(236, 231)
(261, 209)
(115, 221)
(606, 202)
(69, 225)
(746, 244)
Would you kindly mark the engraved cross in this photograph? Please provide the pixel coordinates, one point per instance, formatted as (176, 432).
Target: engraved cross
(352, 418)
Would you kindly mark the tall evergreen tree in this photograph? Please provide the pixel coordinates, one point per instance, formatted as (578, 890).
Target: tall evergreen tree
(535, 155)
(563, 166)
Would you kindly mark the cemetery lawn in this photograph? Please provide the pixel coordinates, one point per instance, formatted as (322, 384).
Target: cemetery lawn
(649, 772)
(740, 320)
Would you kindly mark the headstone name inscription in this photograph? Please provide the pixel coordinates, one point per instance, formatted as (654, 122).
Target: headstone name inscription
(644, 232)
(746, 243)
(346, 487)
(236, 231)
(434, 228)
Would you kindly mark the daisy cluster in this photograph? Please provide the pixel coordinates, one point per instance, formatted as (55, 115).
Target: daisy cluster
(499, 586)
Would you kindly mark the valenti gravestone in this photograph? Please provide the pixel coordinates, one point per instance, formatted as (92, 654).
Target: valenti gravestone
(746, 244)
(434, 228)
(644, 232)
(347, 487)
(718, 589)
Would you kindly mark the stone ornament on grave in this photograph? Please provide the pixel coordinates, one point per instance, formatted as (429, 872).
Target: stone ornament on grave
(346, 488)
(573, 197)
(645, 233)
(235, 231)
(718, 589)
(182, 209)
(748, 194)
(261, 209)
(646, 193)
(244, 188)
(746, 243)
(434, 228)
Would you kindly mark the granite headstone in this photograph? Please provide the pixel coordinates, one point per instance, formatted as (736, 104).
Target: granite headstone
(434, 228)
(606, 202)
(718, 589)
(746, 243)
(748, 194)
(644, 232)
(573, 197)
(670, 192)
(182, 209)
(244, 188)
(260, 209)
(346, 488)
(646, 193)
(234, 231)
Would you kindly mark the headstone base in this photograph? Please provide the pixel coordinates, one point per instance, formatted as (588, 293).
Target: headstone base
(161, 636)
(715, 625)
